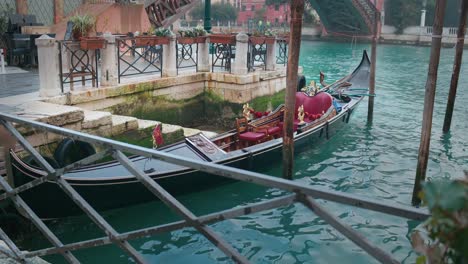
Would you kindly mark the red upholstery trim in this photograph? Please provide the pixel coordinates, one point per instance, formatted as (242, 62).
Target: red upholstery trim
(251, 136)
(313, 104)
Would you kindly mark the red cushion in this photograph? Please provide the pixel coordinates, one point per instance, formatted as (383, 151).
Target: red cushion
(271, 130)
(313, 104)
(251, 136)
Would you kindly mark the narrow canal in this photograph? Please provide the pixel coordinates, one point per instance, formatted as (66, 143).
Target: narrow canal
(375, 161)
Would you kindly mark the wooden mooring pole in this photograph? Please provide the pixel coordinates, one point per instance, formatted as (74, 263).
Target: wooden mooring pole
(456, 66)
(370, 107)
(429, 99)
(297, 9)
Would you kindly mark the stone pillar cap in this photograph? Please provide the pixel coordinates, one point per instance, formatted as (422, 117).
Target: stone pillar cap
(45, 40)
(242, 37)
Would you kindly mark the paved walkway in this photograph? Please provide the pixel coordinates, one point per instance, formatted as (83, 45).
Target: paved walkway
(18, 81)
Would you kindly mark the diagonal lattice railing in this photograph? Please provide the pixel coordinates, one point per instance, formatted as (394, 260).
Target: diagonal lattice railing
(301, 194)
(162, 13)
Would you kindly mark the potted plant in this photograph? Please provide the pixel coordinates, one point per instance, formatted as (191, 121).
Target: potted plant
(154, 37)
(192, 36)
(223, 38)
(262, 35)
(82, 26)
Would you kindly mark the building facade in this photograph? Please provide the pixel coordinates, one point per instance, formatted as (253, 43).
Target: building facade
(258, 10)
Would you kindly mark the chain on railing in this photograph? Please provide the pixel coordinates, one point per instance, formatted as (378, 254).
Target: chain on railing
(134, 59)
(300, 194)
(77, 65)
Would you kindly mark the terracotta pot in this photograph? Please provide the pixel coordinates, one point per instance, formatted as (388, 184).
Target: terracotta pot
(141, 41)
(223, 39)
(191, 40)
(260, 40)
(92, 43)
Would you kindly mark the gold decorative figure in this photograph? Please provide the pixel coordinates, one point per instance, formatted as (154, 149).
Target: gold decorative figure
(246, 111)
(300, 114)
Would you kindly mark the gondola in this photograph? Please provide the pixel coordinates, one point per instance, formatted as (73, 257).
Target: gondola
(319, 115)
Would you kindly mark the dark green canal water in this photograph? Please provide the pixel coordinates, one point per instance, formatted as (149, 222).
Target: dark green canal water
(377, 162)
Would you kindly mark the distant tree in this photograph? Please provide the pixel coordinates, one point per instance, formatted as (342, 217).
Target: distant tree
(260, 14)
(219, 11)
(402, 13)
(275, 2)
(452, 13)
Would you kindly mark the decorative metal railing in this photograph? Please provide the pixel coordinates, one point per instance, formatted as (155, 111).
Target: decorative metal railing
(282, 53)
(77, 65)
(222, 55)
(300, 193)
(256, 56)
(137, 60)
(187, 56)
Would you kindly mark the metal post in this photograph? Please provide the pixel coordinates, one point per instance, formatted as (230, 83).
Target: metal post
(297, 9)
(429, 99)
(370, 108)
(456, 66)
(207, 24)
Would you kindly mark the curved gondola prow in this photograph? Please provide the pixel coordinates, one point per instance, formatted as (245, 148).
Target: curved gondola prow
(365, 61)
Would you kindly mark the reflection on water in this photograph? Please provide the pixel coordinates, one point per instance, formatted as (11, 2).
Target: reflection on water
(375, 161)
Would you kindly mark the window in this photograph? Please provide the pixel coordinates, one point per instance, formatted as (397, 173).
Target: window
(276, 7)
(276, 20)
(253, 8)
(244, 8)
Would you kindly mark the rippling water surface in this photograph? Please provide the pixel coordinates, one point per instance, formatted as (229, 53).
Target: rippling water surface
(375, 161)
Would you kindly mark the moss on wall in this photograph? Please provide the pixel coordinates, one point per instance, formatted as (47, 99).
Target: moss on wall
(206, 110)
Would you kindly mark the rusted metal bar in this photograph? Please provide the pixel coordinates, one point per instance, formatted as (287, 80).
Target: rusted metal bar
(15, 252)
(26, 211)
(99, 221)
(59, 172)
(206, 219)
(179, 208)
(297, 10)
(456, 66)
(431, 84)
(347, 231)
(234, 173)
(68, 189)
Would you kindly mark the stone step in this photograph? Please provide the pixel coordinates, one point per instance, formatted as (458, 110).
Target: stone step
(120, 124)
(95, 119)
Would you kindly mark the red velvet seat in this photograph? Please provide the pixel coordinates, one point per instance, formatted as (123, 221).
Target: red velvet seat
(252, 136)
(249, 133)
(313, 104)
(271, 131)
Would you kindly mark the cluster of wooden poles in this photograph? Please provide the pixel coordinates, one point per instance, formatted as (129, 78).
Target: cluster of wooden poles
(297, 10)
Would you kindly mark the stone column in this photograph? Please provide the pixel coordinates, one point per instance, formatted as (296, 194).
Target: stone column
(109, 59)
(204, 56)
(58, 11)
(169, 68)
(48, 63)
(271, 57)
(423, 14)
(242, 46)
(22, 7)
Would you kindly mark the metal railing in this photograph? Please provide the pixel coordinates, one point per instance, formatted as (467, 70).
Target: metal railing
(187, 56)
(77, 65)
(282, 53)
(299, 194)
(137, 60)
